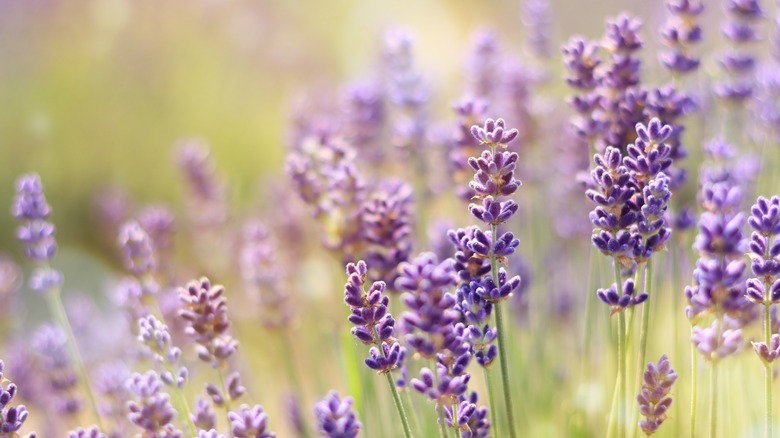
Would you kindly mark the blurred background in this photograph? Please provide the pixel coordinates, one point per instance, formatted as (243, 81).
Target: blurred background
(97, 93)
(95, 96)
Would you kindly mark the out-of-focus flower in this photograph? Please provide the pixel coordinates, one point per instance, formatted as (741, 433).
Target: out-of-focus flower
(654, 399)
(250, 422)
(679, 33)
(714, 344)
(336, 417)
(12, 418)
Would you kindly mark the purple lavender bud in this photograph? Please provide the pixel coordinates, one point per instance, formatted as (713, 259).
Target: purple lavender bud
(627, 297)
(365, 114)
(483, 64)
(261, 273)
(387, 228)
(152, 411)
(45, 279)
(768, 353)
(622, 35)
(205, 313)
(494, 134)
(32, 211)
(448, 387)
(745, 9)
(373, 324)
(249, 422)
(137, 249)
(30, 202)
(203, 417)
(90, 432)
(495, 293)
(211, 433)
(679, 33)
(536, 18)
(707, 343)
(581, 60)
(159, 223)
(336, 418)
(50, 344)
(468, 264)
(12, 418)
(654, 400)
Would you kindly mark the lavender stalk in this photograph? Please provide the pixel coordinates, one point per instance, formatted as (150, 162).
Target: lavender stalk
(36, 232)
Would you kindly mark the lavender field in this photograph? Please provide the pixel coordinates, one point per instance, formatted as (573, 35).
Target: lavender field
(256, 219)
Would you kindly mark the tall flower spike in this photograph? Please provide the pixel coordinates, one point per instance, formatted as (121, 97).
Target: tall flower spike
(679, 33)
(205, 313)
(654, 399)
(336, 417)
(373, 324)
(152, 410)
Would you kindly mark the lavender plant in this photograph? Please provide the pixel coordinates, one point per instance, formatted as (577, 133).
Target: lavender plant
(764, 288)
(375, 326)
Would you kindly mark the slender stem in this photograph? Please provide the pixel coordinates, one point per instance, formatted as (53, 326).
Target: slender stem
(714, 400)
(768, 336)
(502, 350)
(187, 413)
(502, 353)
(292, 374)
(58, 311)
(694, 388)
(714, 381)
(455, 429)
(442, 420)
(398, 405)
(492, 399)
(621, 356)
(613, 409)
(226, 396)
(645, 317)
(408, 406)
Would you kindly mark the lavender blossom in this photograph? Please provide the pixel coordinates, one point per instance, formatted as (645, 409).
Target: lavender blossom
(154, 335)
(137, 249)
(765, 251)
(250, 422)
(471, 420)
(365, 114)
(50, 344)
(482, 66)
(35, 231)
(12, 418)
(263, 276)
(580, 58)
(90, 432)
(621, 301)
(203, 417)
(336, 418)
(715, 345)
(387, 229)
(739, 62)
(719, 284)
(536, 18)
(152, 410)
(207, 193)
(373, 324)
(679, 33)
(205, 312)
(210, 433)
(159, 223)
(110, 387)
(654, 399)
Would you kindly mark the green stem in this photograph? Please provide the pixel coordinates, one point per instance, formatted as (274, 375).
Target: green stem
(694, 388)
(455, 429)
(442, 421)
(714, 400)
(502, 347)
(292, 374)
(408, 406)
(58, 311)
(502, 353)
(613, 409)
(768, 336)
(621, 401)
(226, 396)
(492, 399)
(398, 405)
(645, 317)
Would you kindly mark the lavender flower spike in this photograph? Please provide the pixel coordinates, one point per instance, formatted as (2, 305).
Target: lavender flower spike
(654, 399)
(205, 312)
(91, 432)
(336, 417)
(152, 411)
